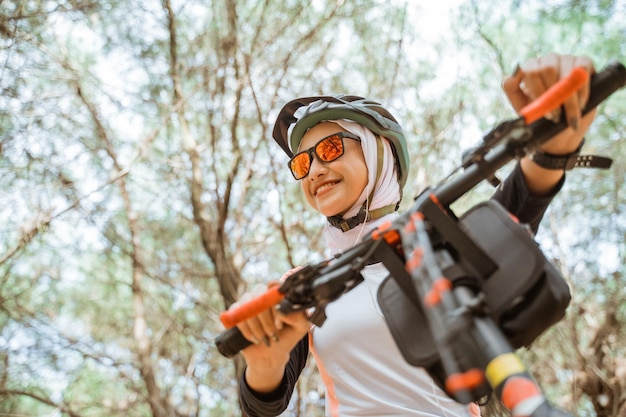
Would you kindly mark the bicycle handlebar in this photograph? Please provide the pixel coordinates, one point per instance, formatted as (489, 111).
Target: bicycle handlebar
(254, 307)
(555, 96)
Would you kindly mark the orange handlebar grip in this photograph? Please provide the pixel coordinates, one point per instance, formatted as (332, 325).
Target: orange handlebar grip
(555, 95)
(257, 305)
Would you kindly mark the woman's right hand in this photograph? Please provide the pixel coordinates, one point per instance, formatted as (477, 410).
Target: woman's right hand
(273, 336)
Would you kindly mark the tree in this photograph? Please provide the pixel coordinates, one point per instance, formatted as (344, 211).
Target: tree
(136, 155)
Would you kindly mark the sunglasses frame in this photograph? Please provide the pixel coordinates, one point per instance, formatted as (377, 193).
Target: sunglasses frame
(312, 150)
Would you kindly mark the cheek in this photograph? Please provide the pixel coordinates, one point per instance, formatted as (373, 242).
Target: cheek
(305, 192)
(360, 176)
(357, 167)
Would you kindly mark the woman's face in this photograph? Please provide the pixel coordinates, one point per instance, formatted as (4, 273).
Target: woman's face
(333, 187)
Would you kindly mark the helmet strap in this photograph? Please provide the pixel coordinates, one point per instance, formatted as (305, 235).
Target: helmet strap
(365, 215)
(362, 217)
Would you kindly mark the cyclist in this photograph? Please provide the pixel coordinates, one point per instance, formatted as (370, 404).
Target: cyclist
(350, 157)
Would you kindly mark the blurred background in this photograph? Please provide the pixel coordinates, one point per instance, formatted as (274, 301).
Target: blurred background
(141, 193)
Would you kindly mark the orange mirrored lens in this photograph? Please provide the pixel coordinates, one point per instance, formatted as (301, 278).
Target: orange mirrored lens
(329, 149)
(300, 165)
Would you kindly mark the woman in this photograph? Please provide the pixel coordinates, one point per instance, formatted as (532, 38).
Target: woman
(351, 161)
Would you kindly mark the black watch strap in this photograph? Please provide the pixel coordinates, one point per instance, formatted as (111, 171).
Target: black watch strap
(570, 161)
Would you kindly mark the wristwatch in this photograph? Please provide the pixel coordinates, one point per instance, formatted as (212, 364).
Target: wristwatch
(570, 160)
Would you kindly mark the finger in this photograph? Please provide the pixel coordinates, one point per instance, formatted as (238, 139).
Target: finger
(247, 332)
(264, 326)
(572, 105)
(512, 88)
(586, 63)
(278, 323)
(278, 315)
(278, 318)
(251, 329)
(258, 330)
(549, 73)
(298, 319)
(532, 82)
(290, 272)
(267, 321)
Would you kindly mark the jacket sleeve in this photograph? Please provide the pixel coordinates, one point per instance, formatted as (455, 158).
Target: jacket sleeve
(255, 404)
(514, 195)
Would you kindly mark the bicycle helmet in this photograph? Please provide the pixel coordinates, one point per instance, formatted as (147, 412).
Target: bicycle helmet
(316, 109)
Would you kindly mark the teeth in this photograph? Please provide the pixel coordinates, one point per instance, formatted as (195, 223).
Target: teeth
(323, 187)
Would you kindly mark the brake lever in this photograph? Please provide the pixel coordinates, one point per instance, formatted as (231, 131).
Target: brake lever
(331, 285)
(514, 131)
(297, 289)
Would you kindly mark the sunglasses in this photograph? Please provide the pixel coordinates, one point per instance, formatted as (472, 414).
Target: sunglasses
(327, 150)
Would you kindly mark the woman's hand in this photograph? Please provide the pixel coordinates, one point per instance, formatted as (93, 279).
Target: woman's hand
(531, 80)
(273, 336)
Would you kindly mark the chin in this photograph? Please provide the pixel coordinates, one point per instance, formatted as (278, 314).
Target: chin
(326, 213)
(331, 213)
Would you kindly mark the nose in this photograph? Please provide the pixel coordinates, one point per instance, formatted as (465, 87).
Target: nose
(317, 167)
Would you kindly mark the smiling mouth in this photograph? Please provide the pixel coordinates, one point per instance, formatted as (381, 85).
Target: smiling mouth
(323, 187)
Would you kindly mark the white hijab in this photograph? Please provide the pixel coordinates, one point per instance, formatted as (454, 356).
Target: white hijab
(387, 189)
